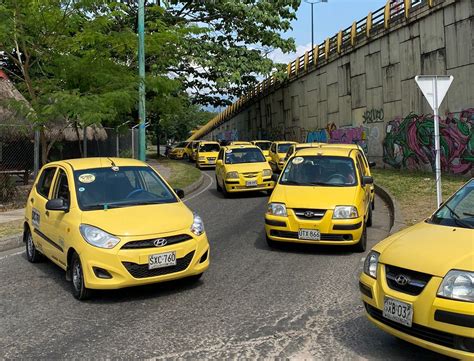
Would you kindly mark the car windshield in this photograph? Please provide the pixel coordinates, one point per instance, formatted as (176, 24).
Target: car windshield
(180, 145)
(209, 147)
(263, 145)
(458, 211)
(244, 155)
(328, 171)
(102, 188)
(283, 148)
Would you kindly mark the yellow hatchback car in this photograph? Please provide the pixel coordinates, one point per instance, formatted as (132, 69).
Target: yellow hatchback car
(112, 223)
(264, 145)
(242, 168)
(277, 154)
(322, 197)
(178, 151)
(418, 284)
(206, 155)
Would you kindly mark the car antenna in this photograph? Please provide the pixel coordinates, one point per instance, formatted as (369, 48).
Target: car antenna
(114, 167)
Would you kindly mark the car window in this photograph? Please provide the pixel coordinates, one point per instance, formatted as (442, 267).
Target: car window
(319, 170)
(263, 145)
(221, 154)
(62, 187)
(45, 181)
(102, 188)
(283, 148)
(244, 155)
(360, 164)
(209, 147)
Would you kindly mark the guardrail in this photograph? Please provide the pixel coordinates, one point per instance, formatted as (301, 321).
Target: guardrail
(394, 12)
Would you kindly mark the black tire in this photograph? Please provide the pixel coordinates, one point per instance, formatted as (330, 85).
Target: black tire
(32, 253)
(194, 278)
(79, 290)
(361, 246)
(369, 218)
(270, 243)
(224, 191)
(218, 187)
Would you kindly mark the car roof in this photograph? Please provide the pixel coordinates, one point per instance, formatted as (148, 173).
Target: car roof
(261, 141)
(341, 145)
(243, 146)
(285, 142)
(98, 162)
(307, 145)
(327, 151)
(208, 142)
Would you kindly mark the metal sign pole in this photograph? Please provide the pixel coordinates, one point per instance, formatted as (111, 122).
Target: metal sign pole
(439, 196)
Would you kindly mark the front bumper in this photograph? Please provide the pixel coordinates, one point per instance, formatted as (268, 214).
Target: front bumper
(427, 330)
(129, 267)
(333, 231)
(206, 162)
(240, 184)
(176, 155)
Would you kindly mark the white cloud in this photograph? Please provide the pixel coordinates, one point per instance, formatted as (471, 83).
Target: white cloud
(279, 57)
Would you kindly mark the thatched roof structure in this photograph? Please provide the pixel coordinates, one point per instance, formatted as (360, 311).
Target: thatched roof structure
(14, 126)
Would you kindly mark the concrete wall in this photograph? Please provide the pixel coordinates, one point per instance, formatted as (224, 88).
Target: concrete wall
(372, 84)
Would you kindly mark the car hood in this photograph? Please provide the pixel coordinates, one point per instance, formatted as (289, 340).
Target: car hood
(247, 167)
(314, 197)
(141, 220)
(208, 154)
(429, 248)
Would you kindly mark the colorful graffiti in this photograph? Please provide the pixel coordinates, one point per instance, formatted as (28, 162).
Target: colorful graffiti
(345, 135)
(409, 142)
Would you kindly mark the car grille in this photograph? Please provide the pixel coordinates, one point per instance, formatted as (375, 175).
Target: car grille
(142, 271)
(416, 281)
(250, 174)
(211, 159)
(148, 243)
(424, 333)
(314, 214)
(324, 236)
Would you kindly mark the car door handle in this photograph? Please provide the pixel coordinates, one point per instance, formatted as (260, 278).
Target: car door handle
(32, 200)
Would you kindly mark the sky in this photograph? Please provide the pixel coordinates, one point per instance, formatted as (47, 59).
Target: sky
(329, 18)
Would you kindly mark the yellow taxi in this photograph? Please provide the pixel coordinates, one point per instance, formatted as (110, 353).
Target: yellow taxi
(178, 151)
(264, 145)
(239, 142)
(322, 197)
(418, 284)
(193, 151)
(242, 168)
(206, 154)
(277, 154)
(188, 150)
(112, 223)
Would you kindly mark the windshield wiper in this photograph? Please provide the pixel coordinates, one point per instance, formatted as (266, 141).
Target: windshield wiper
(468, 214)
(458, 219)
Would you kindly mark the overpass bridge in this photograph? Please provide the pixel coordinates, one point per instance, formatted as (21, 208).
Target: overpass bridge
(358, 87)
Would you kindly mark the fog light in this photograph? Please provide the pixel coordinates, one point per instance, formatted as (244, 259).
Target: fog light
(101, 273)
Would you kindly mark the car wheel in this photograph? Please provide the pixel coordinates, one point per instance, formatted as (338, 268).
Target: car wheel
(361, 246)
(79, 290)
(369, 218)
(218, 187)
(224, 192)
(32, 253)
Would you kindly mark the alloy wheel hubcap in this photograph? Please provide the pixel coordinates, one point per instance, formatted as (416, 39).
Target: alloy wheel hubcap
(76, 276)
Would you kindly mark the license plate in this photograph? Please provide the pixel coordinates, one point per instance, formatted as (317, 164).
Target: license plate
(252, 183)
(309, 234)
(211, 161)
(398, 311)
(161, 260)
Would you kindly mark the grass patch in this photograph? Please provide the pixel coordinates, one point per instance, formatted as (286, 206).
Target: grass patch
(415, 192)
(11, 228)
(181, 174)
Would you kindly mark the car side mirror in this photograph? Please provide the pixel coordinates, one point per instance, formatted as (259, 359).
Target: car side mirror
(275, 177)
(179, 192)
(372, 164)
(219, 162)
(57, 204)
(367, 180)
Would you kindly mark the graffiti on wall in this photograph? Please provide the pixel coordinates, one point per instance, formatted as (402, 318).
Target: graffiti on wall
(344, 135)
(228, 135)
(373, 116)
(409, 142)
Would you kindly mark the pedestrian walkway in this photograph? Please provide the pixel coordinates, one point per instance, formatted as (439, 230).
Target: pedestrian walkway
(163, 170)
(10, 216)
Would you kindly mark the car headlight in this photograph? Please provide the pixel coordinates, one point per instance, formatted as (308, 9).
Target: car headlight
(232, 175)
(267, 173)
(277, 209)
(345, 212)
(282, 159)
(97, 237)
(202, 158)
(198, 225)
(458, 285)
(371, 263)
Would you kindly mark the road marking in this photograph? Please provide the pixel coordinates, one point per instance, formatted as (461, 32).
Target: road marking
(11, 254)
(205, 189)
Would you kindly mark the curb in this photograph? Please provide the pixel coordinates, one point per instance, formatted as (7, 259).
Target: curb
(397, 222)
(194, 186)
(11, 242)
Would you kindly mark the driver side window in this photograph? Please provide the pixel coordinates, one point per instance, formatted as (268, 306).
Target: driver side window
(221, 155)
(62, 187)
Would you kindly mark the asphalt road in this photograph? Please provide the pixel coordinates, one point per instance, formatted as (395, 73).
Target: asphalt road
(300, 302)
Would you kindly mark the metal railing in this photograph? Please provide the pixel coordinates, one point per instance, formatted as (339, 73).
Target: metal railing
(394, 12)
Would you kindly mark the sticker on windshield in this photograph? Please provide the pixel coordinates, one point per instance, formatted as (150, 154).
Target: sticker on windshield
(81, 189)
(298, 160)
(228, 151)
(86, 178)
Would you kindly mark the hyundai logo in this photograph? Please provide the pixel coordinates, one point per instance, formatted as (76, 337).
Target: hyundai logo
(160, 242)
(402, 280)
(308, 214)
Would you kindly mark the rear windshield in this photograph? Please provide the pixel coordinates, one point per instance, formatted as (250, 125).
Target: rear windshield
(209, 148)
(263, 145)
(244, 155)
(283, 148)
(320, 171)
(102, 188)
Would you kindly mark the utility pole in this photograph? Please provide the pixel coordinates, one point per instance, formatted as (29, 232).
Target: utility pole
(312, 2)
(141, 73)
